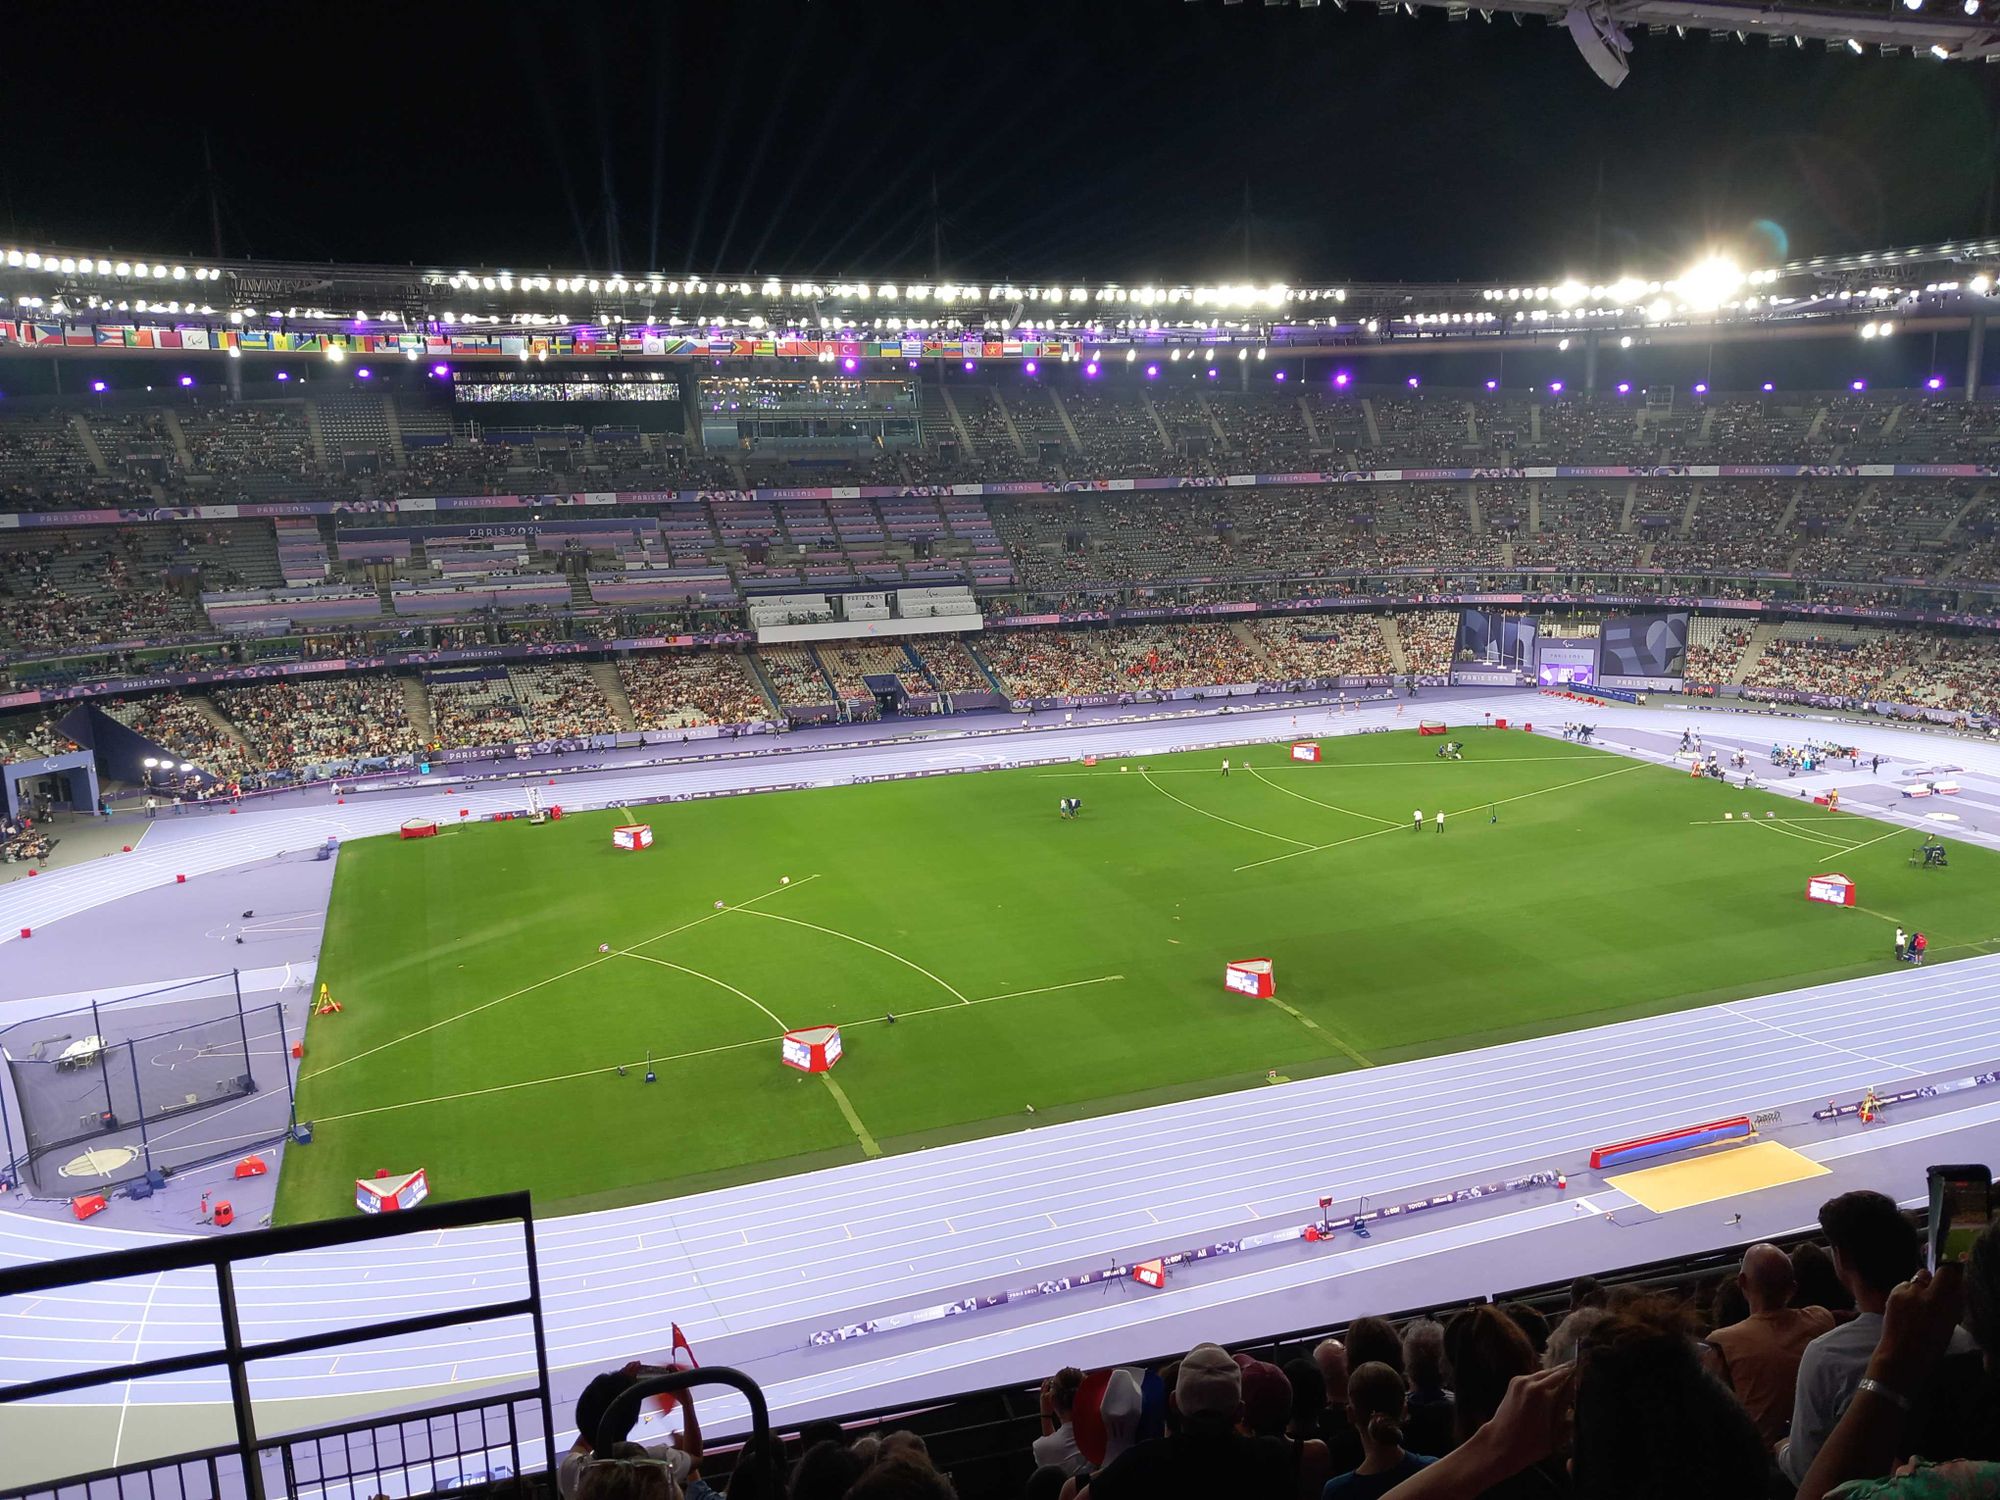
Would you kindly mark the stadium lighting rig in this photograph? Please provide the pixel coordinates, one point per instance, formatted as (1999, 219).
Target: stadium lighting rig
(1922, 287)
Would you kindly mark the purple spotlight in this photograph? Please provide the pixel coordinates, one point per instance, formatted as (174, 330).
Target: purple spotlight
(98, 386)
(968, 367)
(1090, 369)
(913, 364)
(1701, 387)
(440, 371)
(1032, 368)
(1340, 378)
(1555, 387)
(848, 363)
(187, 380)
(1935, 383)
(364, 373)
(284, 375)
(1280, 376)
(1769, 387)
(1412, 382)
(1624, 387)
(1858, 385)
(1492, 385)
(1152, 372)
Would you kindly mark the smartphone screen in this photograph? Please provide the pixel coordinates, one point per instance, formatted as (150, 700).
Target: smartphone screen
(1961, 1203)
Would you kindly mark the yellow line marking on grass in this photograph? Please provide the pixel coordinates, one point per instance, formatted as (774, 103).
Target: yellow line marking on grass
(1307, 1021)
(850, 937)
(531, 1083)
(1289, 765)
(762, 1041)
(1462, 812)
(1147, 777)
(868, 1146)
(1817, 840)
(1329, 806)
(530, 988)
(718, 983)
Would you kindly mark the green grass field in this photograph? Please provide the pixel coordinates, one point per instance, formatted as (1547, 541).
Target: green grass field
(1076, 966)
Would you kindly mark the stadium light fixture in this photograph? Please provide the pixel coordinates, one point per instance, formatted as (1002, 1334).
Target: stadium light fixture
(1090, 370)
(440, 371)
(1701, 387)
(1941, 52)
(186, 381)
(1279, 377)
(968, 367)
(187, 768)
(1555, 387)
(364, 373)
(1624, 387)
(1213, 372)
(1032, 368)
(1857, 385)
(284, 375)
(1854, 46)
(1130, 355)
(335, 354)
(847, 363)
(1935, 383)
(98, 386)
(1341, 378)
(1152, 372)
(1413, 382)
(1769, 387)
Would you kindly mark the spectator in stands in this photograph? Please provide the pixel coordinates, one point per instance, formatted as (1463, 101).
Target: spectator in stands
(1056, 1447)
(626, 1471)
(1204, 1455)
(1818, 1283)
(682, 1455)
(1483, 1350)
(1374, 1339)
(1267, 1412)
(1342, 1441)
(1530, 1322)
(1428, 1425)
(1568, 1334)
(1875, 1247)
(1648, 1424)
(1586, 1291)
(902, 1477)
(1308, 1405)
(1920, 1324)
(1758, 1357)
(1377, 1405)
(826, 1471)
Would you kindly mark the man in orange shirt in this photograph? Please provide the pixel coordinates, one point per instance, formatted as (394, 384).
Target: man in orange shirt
(1758, 1358)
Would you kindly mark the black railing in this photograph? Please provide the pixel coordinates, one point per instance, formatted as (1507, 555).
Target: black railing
(413, 1451)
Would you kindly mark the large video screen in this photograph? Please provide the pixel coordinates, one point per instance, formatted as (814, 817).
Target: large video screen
(1566, 661)
(1494, 638)
(1645, 645)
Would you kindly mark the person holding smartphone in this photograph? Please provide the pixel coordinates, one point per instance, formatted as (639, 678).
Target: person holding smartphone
(1919, 1324)
(681, 1454)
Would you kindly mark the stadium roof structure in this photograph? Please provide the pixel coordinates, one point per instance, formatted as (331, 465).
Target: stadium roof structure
(1944, 31)
(236, 305)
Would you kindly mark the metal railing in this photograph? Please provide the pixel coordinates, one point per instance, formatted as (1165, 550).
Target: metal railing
(502, 1431)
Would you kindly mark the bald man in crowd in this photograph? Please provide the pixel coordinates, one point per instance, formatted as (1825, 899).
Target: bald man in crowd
(1342, 1441)
(1758, 1358)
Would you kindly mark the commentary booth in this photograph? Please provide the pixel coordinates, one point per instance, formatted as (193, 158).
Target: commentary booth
(64, 782)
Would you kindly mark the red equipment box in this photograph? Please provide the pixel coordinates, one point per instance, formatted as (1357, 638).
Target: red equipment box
(1252, 977)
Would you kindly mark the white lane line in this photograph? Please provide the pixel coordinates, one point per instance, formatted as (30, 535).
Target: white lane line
(851, 938)
(718, 983)
(1329, 806)
(1147, 777)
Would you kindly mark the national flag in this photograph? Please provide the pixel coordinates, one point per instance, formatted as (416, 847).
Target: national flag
(667, 1401)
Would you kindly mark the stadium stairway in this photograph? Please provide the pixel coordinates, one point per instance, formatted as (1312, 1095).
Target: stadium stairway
(605, 675)
(1760, 637)
(183, 455)
(1062, 416)
(87, 440)
(985, 670)
(418, 705)
(1392, 640)
(314, 431)
(207, 709)
(755, 670)
(1248, 637)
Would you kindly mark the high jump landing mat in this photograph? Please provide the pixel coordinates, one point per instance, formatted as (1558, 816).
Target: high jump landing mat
(1705, 1179)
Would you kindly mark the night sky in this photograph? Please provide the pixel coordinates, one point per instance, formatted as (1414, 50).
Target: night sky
(1106, 138)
